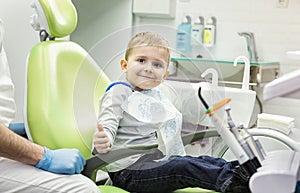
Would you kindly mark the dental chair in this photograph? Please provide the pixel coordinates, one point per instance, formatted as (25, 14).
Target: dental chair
(63, 87)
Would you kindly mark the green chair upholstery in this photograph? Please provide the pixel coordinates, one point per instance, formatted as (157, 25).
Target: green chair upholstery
(111, 189)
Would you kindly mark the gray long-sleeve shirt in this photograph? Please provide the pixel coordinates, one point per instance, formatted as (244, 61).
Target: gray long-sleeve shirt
(125, 128)
(116, 120)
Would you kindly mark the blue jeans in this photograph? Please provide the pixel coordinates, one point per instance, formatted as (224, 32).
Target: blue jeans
(175, 173)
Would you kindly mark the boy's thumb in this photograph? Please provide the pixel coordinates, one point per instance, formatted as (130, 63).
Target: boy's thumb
(100, 127)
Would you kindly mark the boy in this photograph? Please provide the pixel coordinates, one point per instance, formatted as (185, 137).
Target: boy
(135, 112)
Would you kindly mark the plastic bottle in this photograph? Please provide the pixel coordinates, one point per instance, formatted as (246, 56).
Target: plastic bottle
(209, 32)
(196, 36)
(183, 37)
(197, 30)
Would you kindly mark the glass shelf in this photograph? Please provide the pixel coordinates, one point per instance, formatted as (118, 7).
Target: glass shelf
(261, 72)
(195, 60)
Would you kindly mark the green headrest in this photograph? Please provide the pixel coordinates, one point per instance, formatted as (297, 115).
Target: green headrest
(58, 17)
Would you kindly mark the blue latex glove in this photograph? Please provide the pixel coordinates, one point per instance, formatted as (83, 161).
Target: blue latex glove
(62, 161)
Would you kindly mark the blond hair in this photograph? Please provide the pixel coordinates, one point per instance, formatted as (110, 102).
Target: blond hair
(147, 39)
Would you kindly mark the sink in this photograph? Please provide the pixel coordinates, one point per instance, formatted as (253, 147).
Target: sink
(184, 96)
(242, 102)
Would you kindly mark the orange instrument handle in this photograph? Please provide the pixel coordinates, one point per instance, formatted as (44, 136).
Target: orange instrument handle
(218, 106)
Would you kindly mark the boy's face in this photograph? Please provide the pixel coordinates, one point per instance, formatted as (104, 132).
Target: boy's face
(146, 67)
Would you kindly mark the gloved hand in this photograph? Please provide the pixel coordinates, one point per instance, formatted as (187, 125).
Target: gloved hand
(62, 161)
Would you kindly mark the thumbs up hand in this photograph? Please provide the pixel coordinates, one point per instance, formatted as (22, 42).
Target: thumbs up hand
(101, 141)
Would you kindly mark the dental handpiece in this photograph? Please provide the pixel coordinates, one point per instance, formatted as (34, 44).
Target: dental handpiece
(253, 160)
(253, 143)
(237, 134)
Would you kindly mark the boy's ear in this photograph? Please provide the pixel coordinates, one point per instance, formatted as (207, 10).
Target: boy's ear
(166, 74)
(124, 65)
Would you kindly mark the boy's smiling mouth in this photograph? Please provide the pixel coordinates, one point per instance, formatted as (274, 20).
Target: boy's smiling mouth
(148, 77)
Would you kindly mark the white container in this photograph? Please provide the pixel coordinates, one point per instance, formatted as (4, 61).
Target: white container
(209, 33)
(196, 36)
(197, 31)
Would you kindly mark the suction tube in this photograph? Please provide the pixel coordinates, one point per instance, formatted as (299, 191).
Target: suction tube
(230, 139)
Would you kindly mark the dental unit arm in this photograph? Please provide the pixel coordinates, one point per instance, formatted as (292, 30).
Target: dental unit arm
(275, 172)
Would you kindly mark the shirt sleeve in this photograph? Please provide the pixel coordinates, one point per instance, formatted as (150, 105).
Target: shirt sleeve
(110, 109)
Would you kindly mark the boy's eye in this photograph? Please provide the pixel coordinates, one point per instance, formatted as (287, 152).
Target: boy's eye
(157, 65)
(141, 60)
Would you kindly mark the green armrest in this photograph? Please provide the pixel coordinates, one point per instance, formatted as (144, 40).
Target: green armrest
(199, 135)
(101, 160)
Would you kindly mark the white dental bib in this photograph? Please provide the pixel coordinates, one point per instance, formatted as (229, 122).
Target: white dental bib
(152, 107)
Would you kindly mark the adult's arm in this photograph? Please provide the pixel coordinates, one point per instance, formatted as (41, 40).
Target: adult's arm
(18, 148)
(62, 161)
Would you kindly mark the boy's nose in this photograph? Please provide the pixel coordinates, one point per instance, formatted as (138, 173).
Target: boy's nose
(148, 67)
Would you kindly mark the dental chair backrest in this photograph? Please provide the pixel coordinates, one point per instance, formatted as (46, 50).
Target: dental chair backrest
(64, 83)
(7, 102)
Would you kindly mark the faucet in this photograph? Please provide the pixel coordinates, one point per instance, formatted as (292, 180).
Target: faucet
(250, 45)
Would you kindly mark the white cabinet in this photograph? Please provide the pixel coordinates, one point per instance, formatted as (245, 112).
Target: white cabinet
(155, 8)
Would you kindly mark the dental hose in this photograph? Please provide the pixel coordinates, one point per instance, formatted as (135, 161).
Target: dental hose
(250, 165)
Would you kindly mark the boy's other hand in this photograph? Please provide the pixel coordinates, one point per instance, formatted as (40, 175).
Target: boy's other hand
(101, 141)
